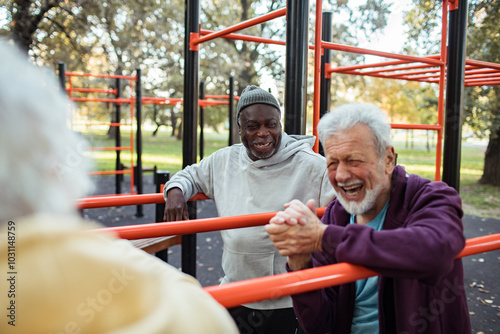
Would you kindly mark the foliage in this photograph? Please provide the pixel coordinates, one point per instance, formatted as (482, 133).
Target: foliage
(115, 36)
(481, 104)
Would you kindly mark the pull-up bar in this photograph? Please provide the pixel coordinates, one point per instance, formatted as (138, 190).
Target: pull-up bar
(270, 287)
(182, 227)
(195, 41)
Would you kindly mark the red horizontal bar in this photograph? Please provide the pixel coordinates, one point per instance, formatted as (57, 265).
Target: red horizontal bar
(121, 148)
(91, 90)
(85, 99)
(112, 76)
(416, 126)
(352, 49)
(483, 77)
(226, 97)
(112, 172)
(192, 226)
(240, 26)
(482, 83)
(482, 64)
(161, 100)
(382, 64)
(205, 103)
(270, 287)
(246, 38)
(106, 201)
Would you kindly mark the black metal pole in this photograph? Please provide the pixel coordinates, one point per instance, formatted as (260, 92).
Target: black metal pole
(118, 177)
(62, 76)
(326, 58)
(233, 125)
(190, 123)
(161, 177)
(457, 37)
(296, 66)
(202, 119)
(138, 138)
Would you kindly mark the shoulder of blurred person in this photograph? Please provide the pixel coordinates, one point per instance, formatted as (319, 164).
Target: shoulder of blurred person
(71, 278)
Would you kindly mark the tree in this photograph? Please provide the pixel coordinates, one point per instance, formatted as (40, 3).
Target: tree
(107, 36)
(481, 104)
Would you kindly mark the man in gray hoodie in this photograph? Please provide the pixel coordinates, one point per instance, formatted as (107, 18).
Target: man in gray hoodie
(267, 169)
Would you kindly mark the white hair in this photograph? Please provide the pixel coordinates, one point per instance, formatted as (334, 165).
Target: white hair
(42, 167)
(347, 116)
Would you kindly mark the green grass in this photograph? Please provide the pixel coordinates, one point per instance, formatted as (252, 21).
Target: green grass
(166, 153)
(161, 151)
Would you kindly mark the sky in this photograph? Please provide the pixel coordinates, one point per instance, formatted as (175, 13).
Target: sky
(392, 38)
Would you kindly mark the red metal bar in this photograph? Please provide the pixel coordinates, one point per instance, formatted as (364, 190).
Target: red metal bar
(205, 103)
(111, 172)
(161, 100)
(407, 70)
(239, 26)
(482, 83)
(442, 83)
(482, 64)
(246, 38)
(416, 126)
(106, 201)
(398, 76)
(132, 105)
(121, 148)
(382, 64)
(92, 90)
(318, 50)
(270, 287)
(352, 49)
(86, 99)
(225, 97)
(483, 77)
(112, 76)
(154, 230)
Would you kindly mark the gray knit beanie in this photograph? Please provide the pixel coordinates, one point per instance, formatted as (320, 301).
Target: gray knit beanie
(253, 95)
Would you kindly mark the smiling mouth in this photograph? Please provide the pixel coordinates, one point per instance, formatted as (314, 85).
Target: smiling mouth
(262, 146)
(352, 190)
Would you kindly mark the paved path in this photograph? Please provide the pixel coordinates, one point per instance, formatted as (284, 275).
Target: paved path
(481, 271)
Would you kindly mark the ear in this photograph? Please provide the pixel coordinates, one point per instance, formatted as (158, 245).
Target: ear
(389, 159)
(239, 129)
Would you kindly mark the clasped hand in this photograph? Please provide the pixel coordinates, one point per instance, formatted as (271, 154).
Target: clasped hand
(296, 232)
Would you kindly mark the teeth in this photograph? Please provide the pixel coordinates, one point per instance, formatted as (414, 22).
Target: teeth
(352, 190)
(262, 145)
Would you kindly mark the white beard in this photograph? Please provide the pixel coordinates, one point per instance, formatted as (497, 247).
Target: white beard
(355, 208)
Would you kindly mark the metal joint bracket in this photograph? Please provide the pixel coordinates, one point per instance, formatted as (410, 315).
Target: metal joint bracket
(193, 39)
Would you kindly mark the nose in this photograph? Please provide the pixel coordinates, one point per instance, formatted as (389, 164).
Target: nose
(262, 131)
(342, 174)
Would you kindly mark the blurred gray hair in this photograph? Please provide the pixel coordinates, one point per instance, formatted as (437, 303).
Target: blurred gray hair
(42, 167)
(347, 116)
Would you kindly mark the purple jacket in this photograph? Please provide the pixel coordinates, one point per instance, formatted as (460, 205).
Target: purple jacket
(420, 286)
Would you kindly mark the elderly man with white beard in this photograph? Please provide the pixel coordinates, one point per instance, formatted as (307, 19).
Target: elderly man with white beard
(406, 228)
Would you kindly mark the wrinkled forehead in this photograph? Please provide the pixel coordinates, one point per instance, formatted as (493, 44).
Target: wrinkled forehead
(260, 113)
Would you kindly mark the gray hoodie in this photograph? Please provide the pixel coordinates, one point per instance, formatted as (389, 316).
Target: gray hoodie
(241, 186)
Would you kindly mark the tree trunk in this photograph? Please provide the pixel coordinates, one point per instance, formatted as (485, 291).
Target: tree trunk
(491, 171)
(25, 24)
(173, 119)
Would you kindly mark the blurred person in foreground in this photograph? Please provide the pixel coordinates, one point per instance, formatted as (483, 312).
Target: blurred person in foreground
(267, 169)
(58, 278)
(405, 228)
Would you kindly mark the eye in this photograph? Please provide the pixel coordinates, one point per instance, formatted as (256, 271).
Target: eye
(272, 125)
(252, 127)
(333, 165)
